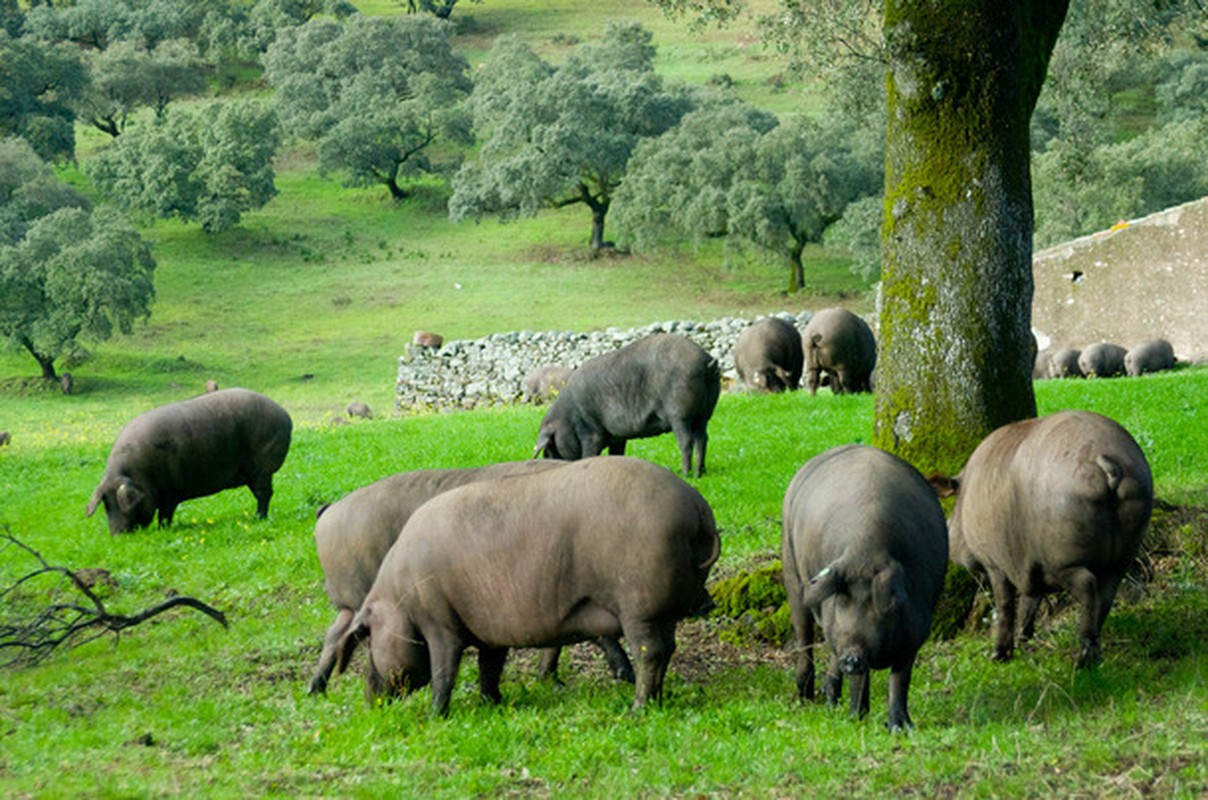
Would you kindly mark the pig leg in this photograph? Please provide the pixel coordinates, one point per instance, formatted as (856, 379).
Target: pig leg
(832, 684)
(653, 643)
(700, 438)
(1029, 604)
(490, 670)
(803, 635)
(619, 665)
(327, 658)
(859, 701)
(1004, 603)
(446, 654)
(547, 663)
(684, 438)
(899, 687)
(262, 490)
(166, 509)
(1081, 583)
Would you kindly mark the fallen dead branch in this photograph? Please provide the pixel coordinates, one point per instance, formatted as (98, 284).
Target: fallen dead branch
(28, 634)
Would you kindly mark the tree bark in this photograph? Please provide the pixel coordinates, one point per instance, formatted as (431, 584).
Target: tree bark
(47, 363)
(956, 347)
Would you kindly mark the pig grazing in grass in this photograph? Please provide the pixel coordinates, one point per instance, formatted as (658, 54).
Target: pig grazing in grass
(353, 535)
(864, 547)
(1152, 356)
(768, 355)
(1102, 360)
(605, 546)
(1059, 502)
(840, 346)
(194, 448)
(661, 383)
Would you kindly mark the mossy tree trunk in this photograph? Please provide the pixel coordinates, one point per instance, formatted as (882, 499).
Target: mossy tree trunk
(956, 346)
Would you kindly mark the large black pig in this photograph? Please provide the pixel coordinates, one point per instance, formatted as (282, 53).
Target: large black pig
(353, 535)
(839, 345)
(661, 383)
(193, 448)
(602, 547)
(864, 548)
(1059, 502)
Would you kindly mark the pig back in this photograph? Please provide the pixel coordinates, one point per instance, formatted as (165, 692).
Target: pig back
(516, 560)
(201, 446)
(637, 390)
(1072, 488)
(353, 534)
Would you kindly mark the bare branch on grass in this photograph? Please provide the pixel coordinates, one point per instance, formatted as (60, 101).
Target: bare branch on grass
(27, 638)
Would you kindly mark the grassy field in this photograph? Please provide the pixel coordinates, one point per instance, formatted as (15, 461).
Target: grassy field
(179, 706)
(311, 301)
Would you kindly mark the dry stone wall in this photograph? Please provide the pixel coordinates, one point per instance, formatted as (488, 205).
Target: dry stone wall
(464, 374)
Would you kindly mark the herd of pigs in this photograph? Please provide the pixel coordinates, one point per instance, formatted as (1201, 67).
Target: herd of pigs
(578, 547)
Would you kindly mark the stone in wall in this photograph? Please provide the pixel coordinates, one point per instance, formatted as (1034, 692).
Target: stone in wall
(465, 373)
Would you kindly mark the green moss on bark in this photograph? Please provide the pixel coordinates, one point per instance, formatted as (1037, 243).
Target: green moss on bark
(956, 348)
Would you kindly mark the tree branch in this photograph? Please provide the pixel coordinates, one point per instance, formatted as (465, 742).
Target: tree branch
(25, 641)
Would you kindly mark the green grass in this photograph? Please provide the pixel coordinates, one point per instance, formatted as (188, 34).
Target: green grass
(331, 283)
(226, 712)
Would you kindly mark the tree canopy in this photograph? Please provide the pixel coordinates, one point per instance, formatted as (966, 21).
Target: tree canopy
(376, 94)
(126, 76)
(730, 169)
(67, 273)
(561, 136)
(39, 85)
(209, 165)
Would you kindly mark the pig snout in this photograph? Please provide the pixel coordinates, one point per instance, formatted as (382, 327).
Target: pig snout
(853, 663)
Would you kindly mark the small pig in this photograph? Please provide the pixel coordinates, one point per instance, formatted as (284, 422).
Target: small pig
(1152, 356)
(359, 410)
(864, 548)
(768, 355)
(600, 547)
(840, 345)
(1102, 360)
(194, 448)
(1064, 364)
(543, 384)
(353, 535)
(1059, 502)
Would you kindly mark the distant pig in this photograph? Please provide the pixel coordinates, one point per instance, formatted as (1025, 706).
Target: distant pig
(1102, 360)
(359, 410)
(543, 384)
(768, 355)
(1059, 502)
(1064, 364)
(194, 448)
(661, 383)
(1152, 356)
(865, 548)
(606, 546)
(353, 535)
(839, 344)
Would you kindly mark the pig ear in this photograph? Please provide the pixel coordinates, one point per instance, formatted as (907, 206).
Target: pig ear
(943, 485)
(827, 582)
(128, 496)
(352, 638)
(97, 496)
(889, 589)
(545, 444)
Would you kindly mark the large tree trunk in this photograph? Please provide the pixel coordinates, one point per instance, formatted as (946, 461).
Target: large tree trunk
(956, 345)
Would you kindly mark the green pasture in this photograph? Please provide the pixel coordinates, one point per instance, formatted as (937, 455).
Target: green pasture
(180, 706)
(311, 300)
